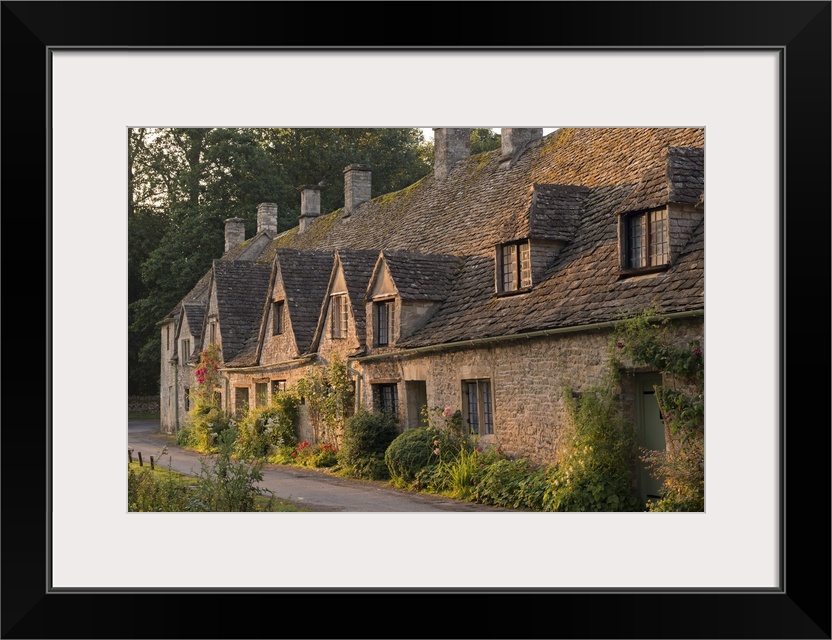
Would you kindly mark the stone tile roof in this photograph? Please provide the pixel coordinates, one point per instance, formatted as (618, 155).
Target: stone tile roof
(480, 204)
(241, 288)
(421, 276)
(570, 185)
(686, 174)
(358, 266)
(305, 276)
(251, 249)
(556, 210)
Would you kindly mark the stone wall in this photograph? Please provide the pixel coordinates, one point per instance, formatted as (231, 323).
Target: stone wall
(527, 377)
(143, 404)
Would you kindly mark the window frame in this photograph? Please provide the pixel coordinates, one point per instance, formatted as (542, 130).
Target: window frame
(484, 402)
(278, 308)
(647, 241)
(185, 348)
(522, 267)
(338, 317)
(261, 394)
(388, 305)
(378, 393)
(277, 386)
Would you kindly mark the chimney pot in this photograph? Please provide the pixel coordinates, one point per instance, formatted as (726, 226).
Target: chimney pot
(235, 232)
(267, 217)
(449, 147)
(358, 186)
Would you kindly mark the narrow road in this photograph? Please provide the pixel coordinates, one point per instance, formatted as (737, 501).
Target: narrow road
(310, 488)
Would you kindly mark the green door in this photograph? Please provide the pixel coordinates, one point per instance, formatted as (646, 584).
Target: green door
(651, 430)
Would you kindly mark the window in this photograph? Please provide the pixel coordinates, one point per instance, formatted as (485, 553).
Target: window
(212, 332)
(186, 350)
(478, 409)
(277, 317)
(339, 316)
(167, 338)
(261, 393)
(240, 401)
(514, 267)
(187, 399)
(278, 386)
(646, 242)
(383, 320)
(385, 398)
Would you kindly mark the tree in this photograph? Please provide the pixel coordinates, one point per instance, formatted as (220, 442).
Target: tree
(184, 182)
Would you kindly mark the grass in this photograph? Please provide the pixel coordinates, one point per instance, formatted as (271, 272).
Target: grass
(137, 415)
(262, 503)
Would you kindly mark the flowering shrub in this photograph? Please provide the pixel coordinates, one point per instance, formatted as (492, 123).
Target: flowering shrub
(319, 455)
(207, 375)
(265, 430)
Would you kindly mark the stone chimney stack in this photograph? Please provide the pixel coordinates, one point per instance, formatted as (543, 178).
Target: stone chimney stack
(310, 205)
(235, 232)
(449, 147)
(515, 141)
(267, 217)
(358, 186)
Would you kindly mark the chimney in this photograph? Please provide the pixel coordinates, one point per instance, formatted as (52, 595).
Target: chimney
(267, 217)
(449, 147)
(358, 186)
(235, 232)
(310, 205)
(515, 141)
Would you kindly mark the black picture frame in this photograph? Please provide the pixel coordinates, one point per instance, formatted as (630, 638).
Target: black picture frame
(800, 31)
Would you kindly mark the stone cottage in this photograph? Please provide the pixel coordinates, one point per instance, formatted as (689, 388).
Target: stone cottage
(484, 287)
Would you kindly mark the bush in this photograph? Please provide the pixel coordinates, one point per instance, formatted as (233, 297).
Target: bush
(513, 484)
(594, 471)
(185, 438)
(264, 430)
(412, 452)
(366, 437)
(225, 484)
(207, 424)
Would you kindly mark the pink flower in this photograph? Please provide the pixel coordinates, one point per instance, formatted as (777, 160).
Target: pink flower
(436, 443)
(479, 448)
(697, 352)
(436, 452)
(448, 412)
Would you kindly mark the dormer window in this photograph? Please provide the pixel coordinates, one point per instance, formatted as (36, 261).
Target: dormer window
(514, 268)
(645, 241)
(383, 321)
(339, 316)
(277, 317)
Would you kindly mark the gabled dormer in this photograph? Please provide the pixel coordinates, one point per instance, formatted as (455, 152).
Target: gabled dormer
(657, 219)
(296, 290)
(342, 322)
(189, 332)
(404, 291)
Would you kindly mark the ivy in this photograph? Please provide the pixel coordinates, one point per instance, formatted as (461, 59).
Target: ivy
(646, 340)
(329, 395)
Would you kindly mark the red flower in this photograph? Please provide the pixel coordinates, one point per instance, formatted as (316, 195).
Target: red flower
(620, 345)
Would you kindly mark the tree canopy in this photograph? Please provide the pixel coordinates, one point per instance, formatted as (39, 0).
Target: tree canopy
(184, 182)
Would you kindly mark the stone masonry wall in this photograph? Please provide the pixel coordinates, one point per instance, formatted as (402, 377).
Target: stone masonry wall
(527, 381)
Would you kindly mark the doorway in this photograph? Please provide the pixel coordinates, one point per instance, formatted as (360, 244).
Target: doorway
(650, 431)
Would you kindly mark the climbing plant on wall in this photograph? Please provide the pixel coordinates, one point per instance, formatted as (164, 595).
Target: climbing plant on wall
(329, 396)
